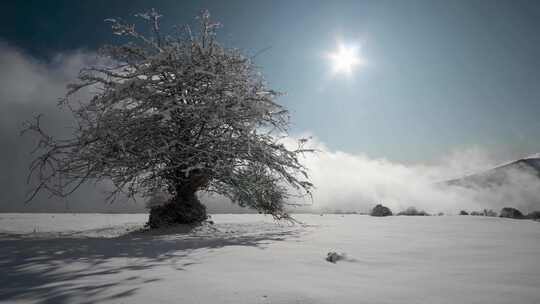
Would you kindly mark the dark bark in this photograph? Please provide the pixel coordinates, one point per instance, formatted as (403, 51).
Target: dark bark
(184, 207)
(180, 210)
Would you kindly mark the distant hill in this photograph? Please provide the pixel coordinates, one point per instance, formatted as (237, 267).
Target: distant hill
(500, 175)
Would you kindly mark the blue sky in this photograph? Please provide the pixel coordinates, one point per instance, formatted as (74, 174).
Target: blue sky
(440, 75)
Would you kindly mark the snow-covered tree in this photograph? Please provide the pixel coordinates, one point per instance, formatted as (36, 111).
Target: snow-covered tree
(178, 114)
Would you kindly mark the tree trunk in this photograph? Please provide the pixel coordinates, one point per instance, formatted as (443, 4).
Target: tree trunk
(183, 208)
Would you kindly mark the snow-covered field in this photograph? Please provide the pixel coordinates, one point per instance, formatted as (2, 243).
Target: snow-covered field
(101, 258)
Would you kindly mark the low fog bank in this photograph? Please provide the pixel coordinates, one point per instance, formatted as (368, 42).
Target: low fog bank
(344, 181)
(347, 182)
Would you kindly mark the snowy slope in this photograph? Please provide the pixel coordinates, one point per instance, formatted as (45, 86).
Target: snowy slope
(250, 259)
(500, 175)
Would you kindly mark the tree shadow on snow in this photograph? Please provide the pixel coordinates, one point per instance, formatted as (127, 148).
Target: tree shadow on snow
(50, 270)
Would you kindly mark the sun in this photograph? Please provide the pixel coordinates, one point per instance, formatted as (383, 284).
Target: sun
(345, 59)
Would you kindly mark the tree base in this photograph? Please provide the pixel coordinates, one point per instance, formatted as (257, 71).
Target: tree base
(177, 212)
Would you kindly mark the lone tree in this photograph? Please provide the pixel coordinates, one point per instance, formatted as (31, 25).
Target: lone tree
(177, 114)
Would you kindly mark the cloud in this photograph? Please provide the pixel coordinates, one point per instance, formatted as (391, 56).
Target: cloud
(29, 87)
(352, 182)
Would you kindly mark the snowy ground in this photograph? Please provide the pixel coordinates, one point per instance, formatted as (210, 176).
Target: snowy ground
(89, 258)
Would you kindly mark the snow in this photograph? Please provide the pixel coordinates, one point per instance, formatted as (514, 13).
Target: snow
(532, 156)
(247, 258)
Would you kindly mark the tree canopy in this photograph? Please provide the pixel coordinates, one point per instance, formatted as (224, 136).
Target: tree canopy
(176, 113)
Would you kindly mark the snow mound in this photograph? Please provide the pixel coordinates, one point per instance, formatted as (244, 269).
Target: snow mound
(334, 256)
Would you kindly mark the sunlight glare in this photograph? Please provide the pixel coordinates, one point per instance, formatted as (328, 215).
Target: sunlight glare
(345, 59)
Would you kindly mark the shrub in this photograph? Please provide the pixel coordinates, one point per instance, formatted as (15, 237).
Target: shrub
(413, 211)
(463, 212)
(489, 212)
(535, 215)
(510, 212)
(381, 210)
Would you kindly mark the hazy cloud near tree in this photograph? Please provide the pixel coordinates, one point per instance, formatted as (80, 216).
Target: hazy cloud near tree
(29, 87)
(354, 182)
(344, 181)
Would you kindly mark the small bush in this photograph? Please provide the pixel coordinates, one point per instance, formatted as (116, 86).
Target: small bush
(463, 212)
(535, 215)
(381, 210)
(484, 212)
(489, 212)
(510, 212)
(413, 211)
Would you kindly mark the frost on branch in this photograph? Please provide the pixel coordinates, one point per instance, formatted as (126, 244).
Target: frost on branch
(176, 114)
